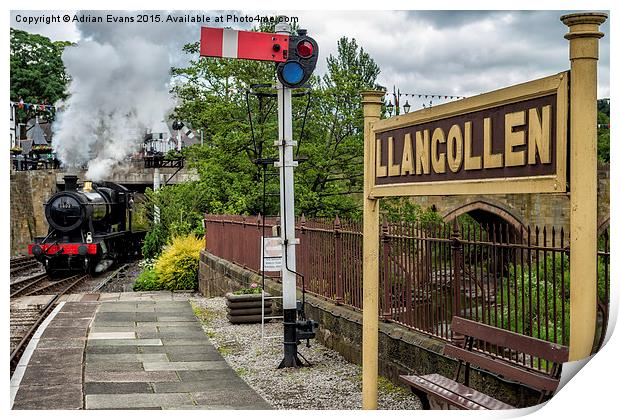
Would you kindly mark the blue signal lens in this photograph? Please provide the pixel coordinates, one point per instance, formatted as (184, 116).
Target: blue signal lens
(292, 73)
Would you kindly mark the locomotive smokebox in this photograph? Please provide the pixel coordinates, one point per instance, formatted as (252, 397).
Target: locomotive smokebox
(70, 182)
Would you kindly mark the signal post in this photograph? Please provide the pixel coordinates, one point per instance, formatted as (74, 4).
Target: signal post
(296, 57)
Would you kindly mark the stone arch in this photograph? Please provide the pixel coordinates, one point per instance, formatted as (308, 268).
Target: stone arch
(602, 226)
(494, 213)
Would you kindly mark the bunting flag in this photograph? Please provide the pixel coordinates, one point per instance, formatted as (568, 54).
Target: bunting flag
(26, 106)
(396, 94)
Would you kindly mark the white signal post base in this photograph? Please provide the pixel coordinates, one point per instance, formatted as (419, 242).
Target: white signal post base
(286, 164)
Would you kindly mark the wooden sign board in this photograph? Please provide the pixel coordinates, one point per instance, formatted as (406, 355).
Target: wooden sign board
(513, 140)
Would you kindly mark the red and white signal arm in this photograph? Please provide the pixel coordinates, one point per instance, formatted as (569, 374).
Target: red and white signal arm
(248, 45)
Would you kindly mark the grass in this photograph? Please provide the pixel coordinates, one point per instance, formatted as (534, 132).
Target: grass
(387, 386)
(241, 371)
(225, 350)
(204, 315)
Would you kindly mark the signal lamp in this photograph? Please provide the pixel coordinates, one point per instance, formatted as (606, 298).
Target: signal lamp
(292, 73)
(304, 49)
(303, 53)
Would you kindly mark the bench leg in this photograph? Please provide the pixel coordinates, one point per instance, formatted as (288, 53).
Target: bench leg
(423, 398)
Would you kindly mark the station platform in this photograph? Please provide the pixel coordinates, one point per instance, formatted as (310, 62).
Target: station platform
(138, 350)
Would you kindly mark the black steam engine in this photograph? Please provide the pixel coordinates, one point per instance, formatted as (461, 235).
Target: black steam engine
(89, 228)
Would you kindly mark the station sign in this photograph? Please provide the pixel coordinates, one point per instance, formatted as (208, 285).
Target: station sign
(512, 140)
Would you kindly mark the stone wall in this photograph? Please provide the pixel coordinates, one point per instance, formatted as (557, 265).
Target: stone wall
(29, 191)
(401, 350)
(529, 209)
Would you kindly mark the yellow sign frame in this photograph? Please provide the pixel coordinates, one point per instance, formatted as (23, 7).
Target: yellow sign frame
(556, 183)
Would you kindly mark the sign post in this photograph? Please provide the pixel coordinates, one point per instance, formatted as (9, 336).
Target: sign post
(371, 101)
(583, 37)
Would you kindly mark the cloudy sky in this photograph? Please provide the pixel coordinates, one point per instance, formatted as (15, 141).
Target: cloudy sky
(425, 52)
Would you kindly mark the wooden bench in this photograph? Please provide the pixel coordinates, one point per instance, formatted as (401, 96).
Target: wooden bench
(436, 391)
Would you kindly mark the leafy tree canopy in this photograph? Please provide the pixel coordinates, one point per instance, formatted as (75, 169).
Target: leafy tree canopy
(328, 126)
(37, 72)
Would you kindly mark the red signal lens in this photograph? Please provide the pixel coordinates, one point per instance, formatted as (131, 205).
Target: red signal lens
(305, 49)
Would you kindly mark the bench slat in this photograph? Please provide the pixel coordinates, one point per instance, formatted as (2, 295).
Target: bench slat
(454, 393)
(469, 393)
(432, 389)
(532, 379)
(521, 343)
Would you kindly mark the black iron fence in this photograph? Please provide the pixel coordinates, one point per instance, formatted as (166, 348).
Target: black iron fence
(512, 278)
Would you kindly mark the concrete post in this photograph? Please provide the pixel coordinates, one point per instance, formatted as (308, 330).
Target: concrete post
(583, 37)
(371, 101)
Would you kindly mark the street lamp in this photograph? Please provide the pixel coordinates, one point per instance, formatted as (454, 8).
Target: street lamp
(407, 107)
(390, 108)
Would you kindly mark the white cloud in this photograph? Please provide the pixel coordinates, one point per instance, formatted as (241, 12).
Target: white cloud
(437, 52)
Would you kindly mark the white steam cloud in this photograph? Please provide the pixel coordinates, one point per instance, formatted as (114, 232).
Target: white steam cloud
(118, 90)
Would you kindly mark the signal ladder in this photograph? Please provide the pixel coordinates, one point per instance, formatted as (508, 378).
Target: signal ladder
(265, 297)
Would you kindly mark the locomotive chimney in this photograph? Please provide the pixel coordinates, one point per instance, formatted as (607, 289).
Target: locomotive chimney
(70, 182)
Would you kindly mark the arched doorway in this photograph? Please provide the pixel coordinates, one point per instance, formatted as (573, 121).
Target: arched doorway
(491, 216)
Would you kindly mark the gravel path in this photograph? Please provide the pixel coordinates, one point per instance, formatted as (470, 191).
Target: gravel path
(331, 382)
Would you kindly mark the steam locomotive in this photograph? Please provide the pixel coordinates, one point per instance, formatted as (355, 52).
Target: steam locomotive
(89, 228)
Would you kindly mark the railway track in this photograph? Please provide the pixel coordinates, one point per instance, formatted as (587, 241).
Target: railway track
(21, 264)
(25, 321)
(42, 284)
(24, 286)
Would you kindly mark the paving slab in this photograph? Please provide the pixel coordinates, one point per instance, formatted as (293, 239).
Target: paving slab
(60, 397)
(201, 347)
(181, 333)
(121, 358)
(112, 335)
(115, 366)
(64, 332)
(244, 398)
(194, 357)
(186, 341)
(123, 329)
(178, 366)
(111, 350)
(60, 344)
(206, 375)
(118, 388)
(137, 376)
(199, 386)
(45, 375)
(126, 342)
(121, 401)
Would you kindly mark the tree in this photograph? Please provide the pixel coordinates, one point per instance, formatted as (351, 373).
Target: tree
(37, 72)
(328, 128)
(333, 175)
(603, 132)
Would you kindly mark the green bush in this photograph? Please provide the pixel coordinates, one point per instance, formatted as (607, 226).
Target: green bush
(147, 280)
(177, 266)
(535, 284)
(154, 242)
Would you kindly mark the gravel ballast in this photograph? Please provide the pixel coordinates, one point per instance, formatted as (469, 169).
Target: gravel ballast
(331, 383)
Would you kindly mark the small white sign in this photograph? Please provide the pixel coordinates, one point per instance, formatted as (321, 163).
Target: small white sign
(271, 254)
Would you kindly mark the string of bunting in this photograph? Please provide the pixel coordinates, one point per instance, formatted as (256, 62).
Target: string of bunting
(25, 106)
(426, 95)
